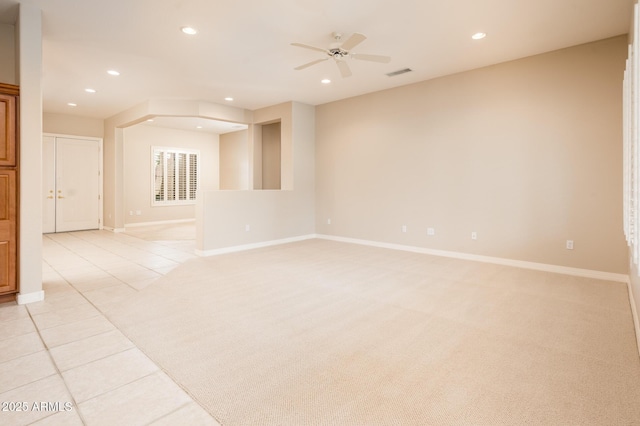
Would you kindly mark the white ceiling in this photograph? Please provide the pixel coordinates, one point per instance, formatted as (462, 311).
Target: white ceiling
(243, 46)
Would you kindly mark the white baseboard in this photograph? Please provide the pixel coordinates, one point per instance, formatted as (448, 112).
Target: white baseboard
(24, 298)
(233, 249)
(114, 230)
(586, 273)
(161, 222)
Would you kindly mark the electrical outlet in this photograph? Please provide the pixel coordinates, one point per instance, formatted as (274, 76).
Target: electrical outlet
(138, 212)
(404, 228)
(569, 245)
(431, 231)
(474, 235)
(130, 212)
(328, 221)
(247, 228)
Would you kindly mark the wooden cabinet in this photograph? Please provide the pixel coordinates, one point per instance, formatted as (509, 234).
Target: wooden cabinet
(8, 219)
(8, 124)
(8, 192)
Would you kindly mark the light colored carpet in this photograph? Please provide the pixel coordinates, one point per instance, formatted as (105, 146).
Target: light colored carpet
(321, 332)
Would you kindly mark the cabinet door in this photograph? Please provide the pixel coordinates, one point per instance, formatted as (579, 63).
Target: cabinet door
(8, 212)
(7, 130)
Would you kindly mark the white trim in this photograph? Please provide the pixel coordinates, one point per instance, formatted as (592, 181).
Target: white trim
(587, 273)
(62, 135)
(634, 312)
(24, 298)
(233, 249)
(114, 230)
(160, 222)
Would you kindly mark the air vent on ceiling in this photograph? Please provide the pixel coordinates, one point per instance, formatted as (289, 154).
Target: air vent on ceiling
(403, 71)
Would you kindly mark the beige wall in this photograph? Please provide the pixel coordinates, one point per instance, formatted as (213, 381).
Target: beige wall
(526, 153)
(222, 216)
(65, 124)
(271, 156)
(29, 58)
(114, 188)
(8, 54)
(234, 160)
(138, 141)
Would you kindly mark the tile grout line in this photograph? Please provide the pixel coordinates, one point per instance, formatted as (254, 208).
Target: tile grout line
(58, 372)
(113, 252)
(105, 316)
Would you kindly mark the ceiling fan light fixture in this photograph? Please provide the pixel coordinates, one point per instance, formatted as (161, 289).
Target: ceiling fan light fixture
(479, 36)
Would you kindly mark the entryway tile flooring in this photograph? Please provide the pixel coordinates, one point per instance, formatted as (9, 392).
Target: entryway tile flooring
(63, 362)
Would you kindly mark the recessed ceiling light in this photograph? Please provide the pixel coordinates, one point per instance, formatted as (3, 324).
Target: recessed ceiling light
(325, 81)
(228, 99)
(89, 90)
(151, 119)
(198, 127)
(189, 30)
(71, 104)
(113, 72)
(479, 36)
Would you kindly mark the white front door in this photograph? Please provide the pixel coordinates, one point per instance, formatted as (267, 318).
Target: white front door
(71, 184)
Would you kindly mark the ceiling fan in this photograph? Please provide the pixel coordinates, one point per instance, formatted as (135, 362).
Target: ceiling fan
(340, 51)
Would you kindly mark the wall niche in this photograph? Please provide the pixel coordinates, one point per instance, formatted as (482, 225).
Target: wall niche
(267, 156)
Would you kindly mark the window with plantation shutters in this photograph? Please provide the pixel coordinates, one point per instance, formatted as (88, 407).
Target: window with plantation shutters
(175, 176)
(631, 142)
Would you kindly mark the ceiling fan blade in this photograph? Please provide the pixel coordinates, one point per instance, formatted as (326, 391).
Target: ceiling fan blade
(345, 71)
(373, 58)
(353, 41)
(306, 46)
(301, 67)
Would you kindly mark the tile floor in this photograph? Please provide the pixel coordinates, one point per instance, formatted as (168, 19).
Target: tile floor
(63, 362)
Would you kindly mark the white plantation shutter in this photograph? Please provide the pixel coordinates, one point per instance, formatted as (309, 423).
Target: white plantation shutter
(170, 176)
(631, 142)
(158, 177)
(175, 176)
(193, 175)
(182, 176)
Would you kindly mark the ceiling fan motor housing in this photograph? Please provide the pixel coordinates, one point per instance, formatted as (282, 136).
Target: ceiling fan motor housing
(338, 53)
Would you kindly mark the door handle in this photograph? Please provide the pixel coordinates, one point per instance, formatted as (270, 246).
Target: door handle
(50, 196)
(59, 196)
